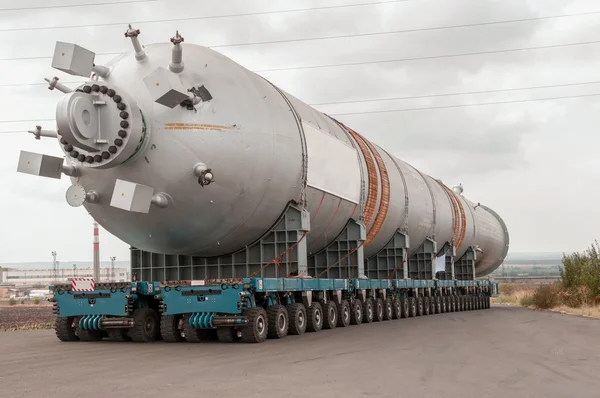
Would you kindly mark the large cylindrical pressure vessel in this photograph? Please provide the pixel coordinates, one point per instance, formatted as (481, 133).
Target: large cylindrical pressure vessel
(262, 149)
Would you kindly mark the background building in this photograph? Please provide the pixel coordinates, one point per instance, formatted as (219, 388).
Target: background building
(45, 277)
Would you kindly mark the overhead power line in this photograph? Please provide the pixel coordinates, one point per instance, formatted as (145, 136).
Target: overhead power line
(434, 28)
(500, 90)
(78, 5)
(394, 110)
(200, 18)
(463, 105)
(427, 57)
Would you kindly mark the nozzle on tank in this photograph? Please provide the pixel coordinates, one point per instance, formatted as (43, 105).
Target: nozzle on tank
(138, 198)
(133, 35)
(176, 64)
(45, 165)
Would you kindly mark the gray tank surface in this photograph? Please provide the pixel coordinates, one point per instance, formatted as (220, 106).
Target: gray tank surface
(177, 149)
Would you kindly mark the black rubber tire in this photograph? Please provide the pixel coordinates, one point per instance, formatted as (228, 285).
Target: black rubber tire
(255, 331)
(388, 310)
(298, 321)
(448, 304)
(228, 335)
(169, 329)
(89, 335)
(368, 311)
(330, 315)
(314, 317)
(432, 305)
(120, 334)
(198, 335)
(489, 302)
(378, 310)
(397, 307)
(426, 305)
(344, 313)
(405, 307)
(412, 307)
(146, 328)
(463, 303)
(279, 321)
(438, 305)
(419, 305)
(452, 303)
(63, 327)
(356, 313)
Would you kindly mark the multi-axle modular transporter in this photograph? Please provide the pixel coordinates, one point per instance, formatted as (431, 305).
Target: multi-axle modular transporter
(249, 214)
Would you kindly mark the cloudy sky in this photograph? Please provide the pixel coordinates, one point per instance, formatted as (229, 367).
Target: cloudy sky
(535, 162)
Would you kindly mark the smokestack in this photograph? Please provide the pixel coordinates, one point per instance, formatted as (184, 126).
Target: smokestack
(96, 253)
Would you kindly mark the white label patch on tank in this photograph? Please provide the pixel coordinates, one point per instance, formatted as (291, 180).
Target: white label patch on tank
(332, 165)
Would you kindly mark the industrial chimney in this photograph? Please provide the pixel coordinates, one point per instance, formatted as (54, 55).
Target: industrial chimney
(96, 253)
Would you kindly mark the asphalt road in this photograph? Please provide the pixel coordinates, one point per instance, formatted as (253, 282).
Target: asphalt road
(499, 352)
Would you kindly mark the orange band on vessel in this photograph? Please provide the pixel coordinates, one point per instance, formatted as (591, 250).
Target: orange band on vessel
(460, 221)
(365, 146)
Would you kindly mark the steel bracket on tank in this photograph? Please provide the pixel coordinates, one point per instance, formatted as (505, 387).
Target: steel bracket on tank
(421, 265)
(335, 260)
(286, 242)
(464, 267)
(445, 255)
(391, 260)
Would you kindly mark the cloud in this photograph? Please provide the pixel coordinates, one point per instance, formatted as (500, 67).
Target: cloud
(535, 163)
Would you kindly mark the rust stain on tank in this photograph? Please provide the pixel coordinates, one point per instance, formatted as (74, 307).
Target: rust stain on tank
(198, 127)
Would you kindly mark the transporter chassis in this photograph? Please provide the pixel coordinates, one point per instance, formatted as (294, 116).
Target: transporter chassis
(194, 299)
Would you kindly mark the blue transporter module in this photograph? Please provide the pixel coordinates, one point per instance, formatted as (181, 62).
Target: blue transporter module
(252, 309)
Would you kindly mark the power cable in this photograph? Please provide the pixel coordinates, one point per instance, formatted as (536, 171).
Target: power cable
(356, 34)
(78, 5)
(199, 18)
(428, 57)
(500, 90)
(463, 105)
(393, 110)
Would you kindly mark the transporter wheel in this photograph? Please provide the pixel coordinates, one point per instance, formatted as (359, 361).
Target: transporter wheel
(344, 313)
(397, 304)
(453, 303)
(368, 311)
(378, 310)
(488, 302)
(330, 315)
(468, 302)
(419, 305)
(412, 307)
(438, 305)
(432, 305)
(146, 326)
(388, 310)
(426, 305)
(63, 327)
(356, 315)
(297, 313)
(89, 335)
(463, 303)
(448, 304)
(169, 329)
(255, 331)
(120, 334)
(228, 334)
(314, 318)
(405, 307)
(279, 322)
(444, 304)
